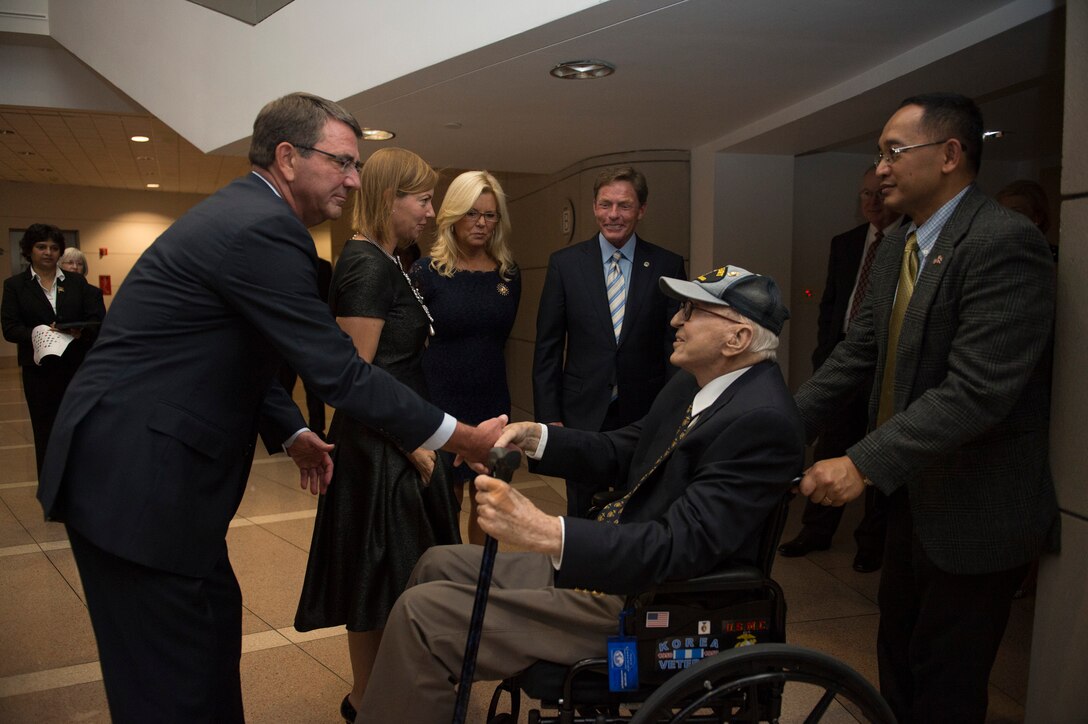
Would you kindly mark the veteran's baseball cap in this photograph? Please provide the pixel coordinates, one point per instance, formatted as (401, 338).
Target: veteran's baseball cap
(753, 295)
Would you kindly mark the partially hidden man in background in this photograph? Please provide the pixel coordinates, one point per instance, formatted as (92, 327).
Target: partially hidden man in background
(701, 472)
(953, 330)
(155, 438)
(849, 271)
(602, 328)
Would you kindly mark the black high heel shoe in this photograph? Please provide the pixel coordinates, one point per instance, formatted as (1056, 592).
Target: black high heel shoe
(347, 711)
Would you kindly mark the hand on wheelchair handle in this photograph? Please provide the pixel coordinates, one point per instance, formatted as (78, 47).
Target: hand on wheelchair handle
(835, 482)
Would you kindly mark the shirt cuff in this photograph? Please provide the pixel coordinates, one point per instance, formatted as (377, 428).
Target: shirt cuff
(442, 435)
(557, 561)
(291, 440)
(539, 452)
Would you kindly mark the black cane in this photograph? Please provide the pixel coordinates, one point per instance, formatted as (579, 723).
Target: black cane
(502, 463)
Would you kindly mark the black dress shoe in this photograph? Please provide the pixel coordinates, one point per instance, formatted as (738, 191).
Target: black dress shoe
(867, 562)
(347, 711)
(802, 545)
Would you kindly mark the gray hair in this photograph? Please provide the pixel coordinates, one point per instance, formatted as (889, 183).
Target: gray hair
(298, 119)
(764, 342)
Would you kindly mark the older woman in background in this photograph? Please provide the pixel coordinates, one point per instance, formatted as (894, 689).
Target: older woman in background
(73, 261)
(472, 287)
(385, 505)
(35, 302)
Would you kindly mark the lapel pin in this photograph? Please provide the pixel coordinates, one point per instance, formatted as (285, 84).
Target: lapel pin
(939, 259)
(646, 264)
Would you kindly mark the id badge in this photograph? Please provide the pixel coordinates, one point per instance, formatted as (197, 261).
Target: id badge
(622, 663)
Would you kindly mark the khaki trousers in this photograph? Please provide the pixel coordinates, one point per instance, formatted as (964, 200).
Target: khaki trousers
(527, 619)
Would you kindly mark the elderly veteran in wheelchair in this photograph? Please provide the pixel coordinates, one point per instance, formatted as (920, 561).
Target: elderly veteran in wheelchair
(699, 475)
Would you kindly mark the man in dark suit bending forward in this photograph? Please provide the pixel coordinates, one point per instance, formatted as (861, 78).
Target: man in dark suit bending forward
(152, 447)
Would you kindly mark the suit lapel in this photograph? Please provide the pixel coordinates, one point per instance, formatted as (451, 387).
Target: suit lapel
(592, 276)
(930, 275)
(642, 279)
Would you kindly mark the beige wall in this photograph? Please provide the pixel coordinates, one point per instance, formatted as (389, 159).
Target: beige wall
(1059, 664)
(124, 222)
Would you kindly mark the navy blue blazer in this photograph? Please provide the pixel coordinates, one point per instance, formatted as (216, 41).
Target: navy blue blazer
(153, 443)
(576, 388)
(704, 506)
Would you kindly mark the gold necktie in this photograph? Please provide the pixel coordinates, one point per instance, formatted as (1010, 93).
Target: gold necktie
(908, 272)
(611, 512)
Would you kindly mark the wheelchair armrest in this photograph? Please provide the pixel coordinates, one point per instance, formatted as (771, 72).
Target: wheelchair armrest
(735, 578)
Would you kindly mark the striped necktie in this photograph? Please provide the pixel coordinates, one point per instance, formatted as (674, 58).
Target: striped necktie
(611, 512)
(908, 273)
(617, 293)
(862, 287)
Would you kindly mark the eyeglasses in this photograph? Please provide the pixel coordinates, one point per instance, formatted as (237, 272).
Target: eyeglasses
(346, 162)
(896, 151)
(490, 217)
(688, 307)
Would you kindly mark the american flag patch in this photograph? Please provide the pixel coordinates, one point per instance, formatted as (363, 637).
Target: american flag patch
(657, 619)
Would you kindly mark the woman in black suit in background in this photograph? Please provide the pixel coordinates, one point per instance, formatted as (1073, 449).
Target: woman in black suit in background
(44, 296)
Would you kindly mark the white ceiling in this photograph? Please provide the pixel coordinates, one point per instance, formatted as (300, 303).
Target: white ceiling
(781, 76)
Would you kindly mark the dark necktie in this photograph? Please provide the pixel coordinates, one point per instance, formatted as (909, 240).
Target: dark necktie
(611, 512)
(862, 287)
(908, 272)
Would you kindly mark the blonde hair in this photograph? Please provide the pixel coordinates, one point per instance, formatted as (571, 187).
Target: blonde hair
(387, 175)
(460, 197)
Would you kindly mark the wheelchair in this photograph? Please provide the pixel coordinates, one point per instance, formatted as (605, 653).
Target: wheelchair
(743, 684)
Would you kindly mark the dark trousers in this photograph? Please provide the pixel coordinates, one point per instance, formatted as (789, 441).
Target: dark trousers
(169, 645)
(821, 521)
(44, 388)
(315, 406)
(939, 631)
(580, 492)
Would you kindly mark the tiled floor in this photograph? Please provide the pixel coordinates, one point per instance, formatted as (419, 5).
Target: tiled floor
(48, 661)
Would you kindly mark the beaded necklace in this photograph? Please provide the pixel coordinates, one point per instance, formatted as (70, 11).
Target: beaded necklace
(418, 296)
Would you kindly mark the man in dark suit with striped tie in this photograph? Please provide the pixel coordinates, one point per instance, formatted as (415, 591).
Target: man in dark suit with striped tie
(701, 471)
(955, 331)
(848, 271)
(602, 330)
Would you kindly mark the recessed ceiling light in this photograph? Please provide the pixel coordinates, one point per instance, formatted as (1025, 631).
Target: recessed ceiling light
(583, 70)
(25, 153)
(145, 158)
(152, 186)
(377, 134)
(140, 139)
(452, 125)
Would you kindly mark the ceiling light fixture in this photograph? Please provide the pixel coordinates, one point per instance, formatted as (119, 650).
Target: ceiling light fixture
(145, 158)
(377, 134)
(152, 186)
(25, 153)
(583, 70)
(140, 139)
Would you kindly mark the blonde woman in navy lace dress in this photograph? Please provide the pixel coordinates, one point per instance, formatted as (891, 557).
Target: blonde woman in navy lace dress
(472, 287)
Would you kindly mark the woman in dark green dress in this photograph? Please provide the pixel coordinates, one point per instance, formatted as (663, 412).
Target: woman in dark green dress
(385, 505)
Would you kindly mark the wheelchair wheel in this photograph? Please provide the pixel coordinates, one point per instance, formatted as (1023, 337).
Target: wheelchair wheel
(749, 685)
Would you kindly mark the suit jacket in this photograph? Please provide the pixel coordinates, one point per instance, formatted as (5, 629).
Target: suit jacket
(25, 306)
(152, 447)
(573, 315)
(970, 435)
(842, 271)
(704, 506)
